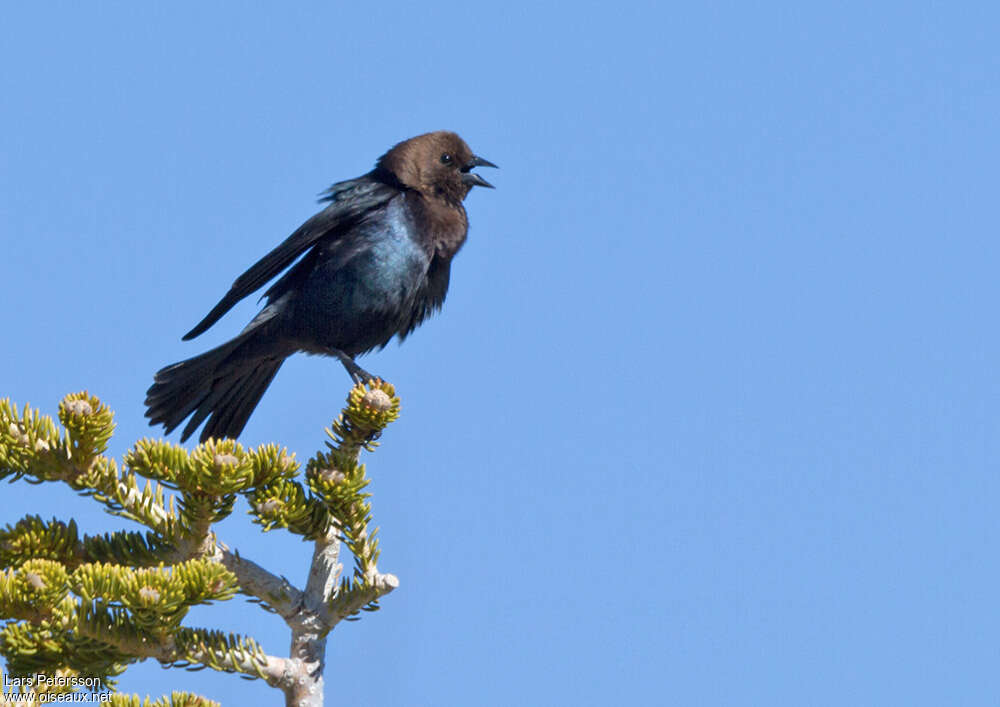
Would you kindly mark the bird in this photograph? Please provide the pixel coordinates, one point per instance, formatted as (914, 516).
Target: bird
(373, 264)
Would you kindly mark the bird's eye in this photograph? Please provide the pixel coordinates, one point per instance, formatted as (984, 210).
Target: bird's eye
(445, 158)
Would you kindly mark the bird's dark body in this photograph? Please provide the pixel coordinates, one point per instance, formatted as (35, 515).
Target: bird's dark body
(355, 295)
(377, 263)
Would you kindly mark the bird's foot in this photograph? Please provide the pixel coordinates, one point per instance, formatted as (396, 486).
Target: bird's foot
(362, 376)
(357, 373)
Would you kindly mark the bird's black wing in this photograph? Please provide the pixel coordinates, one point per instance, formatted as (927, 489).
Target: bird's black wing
(348, 202)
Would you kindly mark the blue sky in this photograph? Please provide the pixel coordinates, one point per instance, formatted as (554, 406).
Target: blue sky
(710, 414)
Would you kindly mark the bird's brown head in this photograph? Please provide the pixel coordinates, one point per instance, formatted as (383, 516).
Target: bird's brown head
(438, 164)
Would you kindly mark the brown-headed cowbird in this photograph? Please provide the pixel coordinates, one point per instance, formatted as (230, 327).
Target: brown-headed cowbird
(376, 264)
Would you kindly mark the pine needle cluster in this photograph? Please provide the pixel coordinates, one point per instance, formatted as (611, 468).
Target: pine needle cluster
(86, 607)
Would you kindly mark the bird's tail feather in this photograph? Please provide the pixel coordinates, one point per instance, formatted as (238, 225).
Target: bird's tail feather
(223, 385)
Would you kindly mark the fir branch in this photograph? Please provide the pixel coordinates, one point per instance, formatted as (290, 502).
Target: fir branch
(182, 647)
(131, 601)
(35, 591)
(128, 548)
(52, 644)
(283, 504)
(361, 596)
(324, 569)
(33, 538)
(336, 477)
(32, 447)
(274, 591)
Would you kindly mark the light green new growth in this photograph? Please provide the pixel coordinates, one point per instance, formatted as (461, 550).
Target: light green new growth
(89, 606)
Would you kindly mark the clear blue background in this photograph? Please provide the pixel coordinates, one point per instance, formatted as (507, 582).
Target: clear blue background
(711, 413)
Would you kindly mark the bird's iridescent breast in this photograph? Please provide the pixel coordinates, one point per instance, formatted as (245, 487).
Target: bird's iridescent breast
(354, 298)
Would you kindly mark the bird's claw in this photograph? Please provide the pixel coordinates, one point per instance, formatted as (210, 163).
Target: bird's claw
(362, 377)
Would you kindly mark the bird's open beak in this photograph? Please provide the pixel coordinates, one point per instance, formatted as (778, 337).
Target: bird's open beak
(473, 179)
(480, 162)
